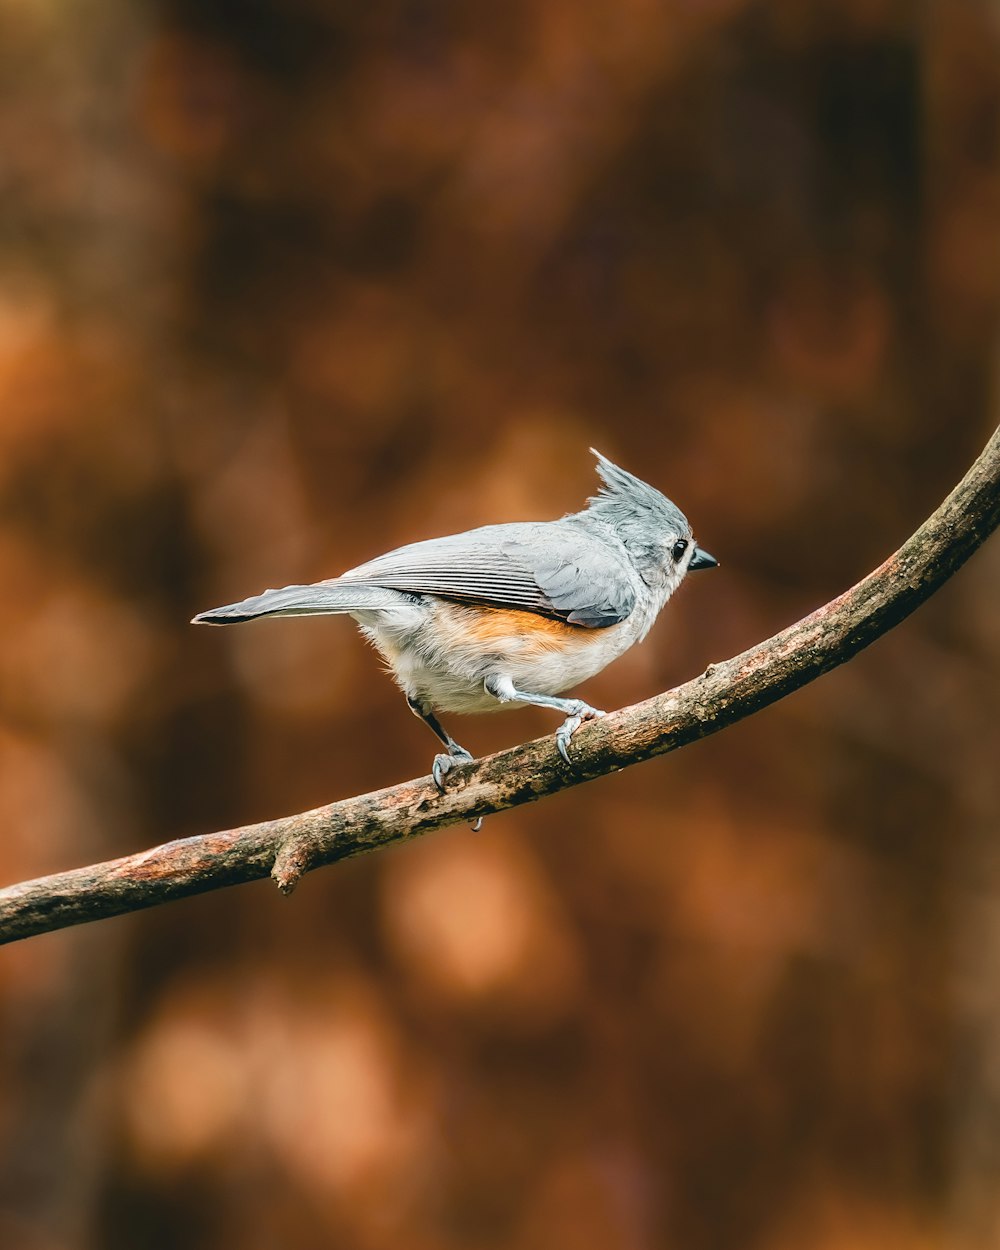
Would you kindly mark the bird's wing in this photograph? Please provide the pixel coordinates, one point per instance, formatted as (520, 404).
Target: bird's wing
(555, 569)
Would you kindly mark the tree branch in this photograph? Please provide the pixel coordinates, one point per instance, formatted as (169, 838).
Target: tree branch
(725, 693)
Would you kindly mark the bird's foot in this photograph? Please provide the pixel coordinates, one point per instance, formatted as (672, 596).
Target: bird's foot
(580, 712)
(456, 757)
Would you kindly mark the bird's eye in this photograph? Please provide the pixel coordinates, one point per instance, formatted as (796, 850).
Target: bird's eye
(679, 547)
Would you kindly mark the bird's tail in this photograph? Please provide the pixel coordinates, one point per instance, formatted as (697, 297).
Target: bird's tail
(320, 599)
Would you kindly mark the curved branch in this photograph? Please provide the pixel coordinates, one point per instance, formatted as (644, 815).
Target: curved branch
(725, 693)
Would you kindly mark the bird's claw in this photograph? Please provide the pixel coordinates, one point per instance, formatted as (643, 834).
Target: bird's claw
(445, 762)
(581, 712)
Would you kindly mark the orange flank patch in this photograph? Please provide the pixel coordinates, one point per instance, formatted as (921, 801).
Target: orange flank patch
(500, 628)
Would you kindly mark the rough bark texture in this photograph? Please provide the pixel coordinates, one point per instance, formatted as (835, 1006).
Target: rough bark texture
(727, 692)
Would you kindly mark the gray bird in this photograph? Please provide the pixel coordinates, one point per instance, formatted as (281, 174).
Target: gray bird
(512, 613)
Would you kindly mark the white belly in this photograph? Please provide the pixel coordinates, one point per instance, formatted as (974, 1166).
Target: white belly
(442, 653)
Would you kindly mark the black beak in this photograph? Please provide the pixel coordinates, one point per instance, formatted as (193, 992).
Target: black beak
(702, 560)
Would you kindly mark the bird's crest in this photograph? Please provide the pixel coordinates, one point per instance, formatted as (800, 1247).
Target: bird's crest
(629, 498)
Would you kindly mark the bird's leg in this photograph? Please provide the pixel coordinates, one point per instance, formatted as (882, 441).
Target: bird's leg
(576, 710)
(444, 762)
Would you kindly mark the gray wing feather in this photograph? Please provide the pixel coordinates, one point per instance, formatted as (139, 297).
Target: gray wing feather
(552, 568)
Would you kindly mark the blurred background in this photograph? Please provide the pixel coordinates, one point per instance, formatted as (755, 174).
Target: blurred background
(284, 283)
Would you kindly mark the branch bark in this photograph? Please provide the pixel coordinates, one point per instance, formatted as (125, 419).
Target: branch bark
(725, 693)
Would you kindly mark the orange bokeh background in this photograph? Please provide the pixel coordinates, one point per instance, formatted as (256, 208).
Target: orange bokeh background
(285, 285)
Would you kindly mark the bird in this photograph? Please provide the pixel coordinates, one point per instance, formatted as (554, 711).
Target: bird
(508, 614)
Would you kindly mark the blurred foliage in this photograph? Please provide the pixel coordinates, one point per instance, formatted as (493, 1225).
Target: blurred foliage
(285, 284)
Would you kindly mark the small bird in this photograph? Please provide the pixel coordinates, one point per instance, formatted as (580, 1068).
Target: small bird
(508, 614)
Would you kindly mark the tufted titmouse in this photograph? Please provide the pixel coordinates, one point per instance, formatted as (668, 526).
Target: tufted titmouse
(511, 613)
